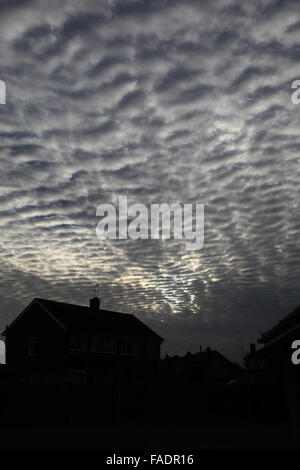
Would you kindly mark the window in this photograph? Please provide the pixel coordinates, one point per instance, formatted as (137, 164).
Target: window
(77, 343)
(33, 346)
(77, 376)
(130, 346)
(104, 344)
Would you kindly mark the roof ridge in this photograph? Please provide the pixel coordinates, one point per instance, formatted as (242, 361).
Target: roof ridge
(283, 322)
(82, 306)
(79, 317)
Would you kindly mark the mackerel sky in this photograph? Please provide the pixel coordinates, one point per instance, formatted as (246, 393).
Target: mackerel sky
(160, 101)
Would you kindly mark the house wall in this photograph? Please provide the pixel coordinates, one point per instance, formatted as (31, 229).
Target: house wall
(103, 367)
(55, 359)
(52, 342)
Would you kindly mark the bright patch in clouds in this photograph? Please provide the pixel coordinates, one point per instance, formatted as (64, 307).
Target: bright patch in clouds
(161, 102)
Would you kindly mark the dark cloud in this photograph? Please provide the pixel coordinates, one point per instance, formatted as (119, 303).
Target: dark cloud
(161, 101)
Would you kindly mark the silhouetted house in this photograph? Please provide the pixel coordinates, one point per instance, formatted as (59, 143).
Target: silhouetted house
(270, 370)
(275, 355)
(207, 366)
(56, 341)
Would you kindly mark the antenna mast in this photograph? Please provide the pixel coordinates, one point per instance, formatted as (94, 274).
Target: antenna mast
(97, 290)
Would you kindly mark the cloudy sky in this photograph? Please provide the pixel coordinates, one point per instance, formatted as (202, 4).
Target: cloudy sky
(161, 101)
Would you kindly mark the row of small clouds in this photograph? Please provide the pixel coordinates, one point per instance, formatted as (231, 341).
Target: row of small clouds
(160, 101)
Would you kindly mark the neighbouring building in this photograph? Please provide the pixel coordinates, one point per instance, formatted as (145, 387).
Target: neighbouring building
(271, 371)
(205, 366)
(275, 355)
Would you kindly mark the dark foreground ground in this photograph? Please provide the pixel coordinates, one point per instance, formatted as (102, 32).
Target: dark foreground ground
(146, 436)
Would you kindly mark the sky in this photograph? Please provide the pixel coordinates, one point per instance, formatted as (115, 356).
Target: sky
(160, 101)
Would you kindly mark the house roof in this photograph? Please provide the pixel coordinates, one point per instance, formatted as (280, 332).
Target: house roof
(80, 318)
(206, 356)
(287, 324)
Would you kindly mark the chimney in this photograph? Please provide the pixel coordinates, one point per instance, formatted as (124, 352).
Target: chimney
(252, 348)
(95, 303)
